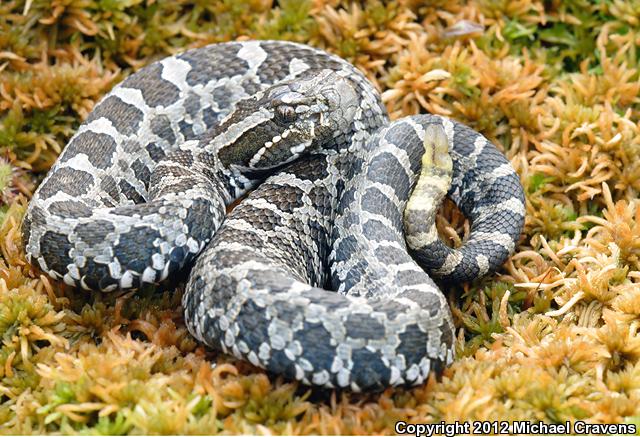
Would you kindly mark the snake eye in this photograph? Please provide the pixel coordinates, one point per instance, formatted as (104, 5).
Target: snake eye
(286, 114)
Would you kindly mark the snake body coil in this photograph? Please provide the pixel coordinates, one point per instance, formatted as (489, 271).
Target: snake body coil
(140, 191)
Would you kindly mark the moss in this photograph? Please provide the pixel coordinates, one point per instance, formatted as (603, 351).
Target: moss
(552, 336)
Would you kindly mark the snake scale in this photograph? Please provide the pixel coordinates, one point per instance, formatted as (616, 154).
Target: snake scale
(309, 276)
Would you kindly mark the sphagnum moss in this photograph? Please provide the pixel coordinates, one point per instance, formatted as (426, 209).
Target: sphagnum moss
(553, 336)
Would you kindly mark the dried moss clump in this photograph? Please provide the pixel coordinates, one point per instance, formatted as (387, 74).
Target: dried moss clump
(553, 336)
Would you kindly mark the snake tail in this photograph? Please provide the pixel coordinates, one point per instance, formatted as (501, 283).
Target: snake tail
(488, 192)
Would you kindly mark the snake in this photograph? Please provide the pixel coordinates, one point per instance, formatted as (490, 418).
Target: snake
(324, 271)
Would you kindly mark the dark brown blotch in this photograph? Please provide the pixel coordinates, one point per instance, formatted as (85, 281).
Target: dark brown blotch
(155, 90)
(98, 147)
(126, 118)
(161, 126)
(68, 180)
(206, 63)
(70, 208)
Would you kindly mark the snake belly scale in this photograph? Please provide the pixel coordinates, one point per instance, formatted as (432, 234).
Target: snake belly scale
(310, 275)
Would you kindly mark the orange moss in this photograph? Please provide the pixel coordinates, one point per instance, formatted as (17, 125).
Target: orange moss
(553, 336)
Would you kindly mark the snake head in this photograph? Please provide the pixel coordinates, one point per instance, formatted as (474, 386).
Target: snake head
(289, 119)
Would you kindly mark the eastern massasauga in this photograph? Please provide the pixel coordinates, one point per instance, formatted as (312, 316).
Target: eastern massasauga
(140, 192)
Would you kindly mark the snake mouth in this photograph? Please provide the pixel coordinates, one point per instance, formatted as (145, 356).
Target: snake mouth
(288, 144)
(260, 173)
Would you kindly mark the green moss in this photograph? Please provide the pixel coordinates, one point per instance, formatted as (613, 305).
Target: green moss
(519, 33)
(291, 21)
(555, 83)
(108, 425)
(6, 179)
(537, 181)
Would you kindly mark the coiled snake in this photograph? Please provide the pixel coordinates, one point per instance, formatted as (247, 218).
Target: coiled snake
(140, 192)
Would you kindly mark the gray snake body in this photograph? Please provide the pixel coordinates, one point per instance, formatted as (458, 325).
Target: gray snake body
(140, 192)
